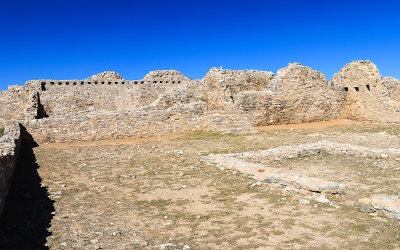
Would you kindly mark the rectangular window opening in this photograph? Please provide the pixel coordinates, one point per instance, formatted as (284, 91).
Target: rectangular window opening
(59, 83)
(52, 83)
(357, 88)
(74, 83)
(82, 83)
(67, 83)
(368, 87)
(346, 89)
(109, 82)
(95, 82)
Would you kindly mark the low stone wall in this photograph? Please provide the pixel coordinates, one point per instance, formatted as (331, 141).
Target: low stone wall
(104, 125)
(10, 144)
(288, 152)
(146, 122)
(251, 163)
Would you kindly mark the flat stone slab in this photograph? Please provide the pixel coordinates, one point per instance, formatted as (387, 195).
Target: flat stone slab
(384, 205)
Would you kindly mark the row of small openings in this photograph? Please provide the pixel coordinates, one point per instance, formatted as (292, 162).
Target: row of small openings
(141, 82)
(82, 82)
(357, 88)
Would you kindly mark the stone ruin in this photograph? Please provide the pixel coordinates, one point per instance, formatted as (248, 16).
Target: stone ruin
(249, 164)
(107, 106)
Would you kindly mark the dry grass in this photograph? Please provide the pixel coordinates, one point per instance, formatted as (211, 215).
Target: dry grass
(148, 193)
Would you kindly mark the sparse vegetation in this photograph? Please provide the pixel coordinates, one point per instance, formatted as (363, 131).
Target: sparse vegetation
(156, 192)
(1, 132)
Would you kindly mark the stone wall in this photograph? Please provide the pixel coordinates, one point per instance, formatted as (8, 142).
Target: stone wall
(146, 122)
(220, 86)
(107, 106)
(63, 97)
(367, 98)
(296, 94)
(18, 103)
(9, 150)
(393, 87)
(105, 91)
(302, 94)
(102, 125)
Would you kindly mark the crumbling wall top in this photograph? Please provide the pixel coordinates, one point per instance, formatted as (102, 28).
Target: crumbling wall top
(168, 75)
(106, 75)
(356, 74)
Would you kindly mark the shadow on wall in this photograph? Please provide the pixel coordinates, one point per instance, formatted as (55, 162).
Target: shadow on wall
(27, 213)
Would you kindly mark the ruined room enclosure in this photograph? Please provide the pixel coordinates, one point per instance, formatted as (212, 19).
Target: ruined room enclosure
(145, 193)
(298, 178)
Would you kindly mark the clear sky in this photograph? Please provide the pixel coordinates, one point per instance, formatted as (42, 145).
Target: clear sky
(69, 39)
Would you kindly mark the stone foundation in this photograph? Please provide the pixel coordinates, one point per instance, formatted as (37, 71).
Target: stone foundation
(383, 205)
(249, 163)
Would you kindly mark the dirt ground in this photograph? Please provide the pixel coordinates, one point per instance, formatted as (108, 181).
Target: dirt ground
(155, 193)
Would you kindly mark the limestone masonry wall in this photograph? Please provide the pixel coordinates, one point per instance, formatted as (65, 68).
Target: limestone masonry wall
(9, 150)
(368, 96)
(106, 106)
(103, 125)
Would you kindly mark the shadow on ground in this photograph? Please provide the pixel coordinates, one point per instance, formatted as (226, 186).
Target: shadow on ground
(27, 215)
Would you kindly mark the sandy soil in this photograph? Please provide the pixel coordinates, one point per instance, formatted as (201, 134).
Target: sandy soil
(144, 193)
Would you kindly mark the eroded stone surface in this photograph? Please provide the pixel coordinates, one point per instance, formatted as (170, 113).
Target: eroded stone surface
(384, 205)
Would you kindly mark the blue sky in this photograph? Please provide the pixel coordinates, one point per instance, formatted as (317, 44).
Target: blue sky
(68, 39)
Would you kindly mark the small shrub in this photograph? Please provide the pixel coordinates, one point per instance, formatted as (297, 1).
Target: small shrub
(1, 132)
